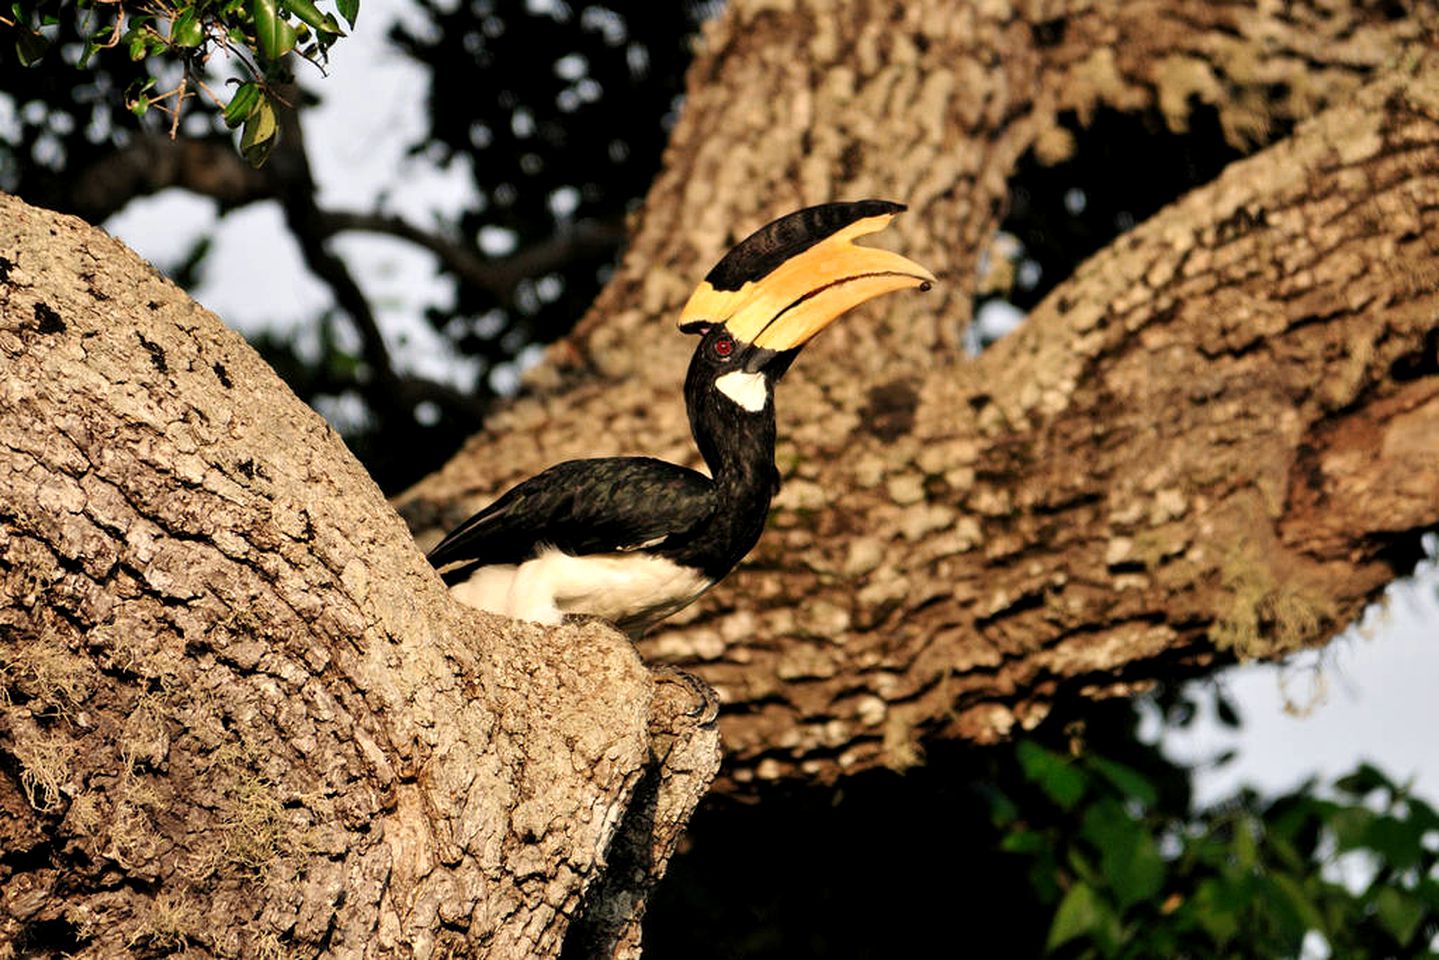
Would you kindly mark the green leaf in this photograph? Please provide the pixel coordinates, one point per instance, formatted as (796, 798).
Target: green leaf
(266, 15)
(349, 9)
(286, 36)
(1305, 914)
(1351, 827)
(135, 44)
(1128, 857)
(187, 30)
(1059, 778)
(1244, 847)
(1422, 815)
(1002, 810)
(1127, 780)
(1042, 879)
(242, 105)
(1295, 820)
(1215, 907)
(1363, 780)
(140, 105)
(1399, 842)
(1023, 841)
(308, 12)
(1080, 866)
(274, 33)
(258, 137)
(1081, 913)
(29, 45)
(1400, 913)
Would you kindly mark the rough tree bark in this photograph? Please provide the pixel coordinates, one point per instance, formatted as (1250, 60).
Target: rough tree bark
(238, 713)
(1217, 439)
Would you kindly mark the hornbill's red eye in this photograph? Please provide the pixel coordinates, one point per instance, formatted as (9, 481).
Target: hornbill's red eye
(724, 346)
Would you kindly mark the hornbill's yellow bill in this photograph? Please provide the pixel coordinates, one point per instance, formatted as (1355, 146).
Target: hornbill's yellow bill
(789, 280)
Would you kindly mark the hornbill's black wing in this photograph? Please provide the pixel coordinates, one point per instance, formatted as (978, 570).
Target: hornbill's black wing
(581, 507)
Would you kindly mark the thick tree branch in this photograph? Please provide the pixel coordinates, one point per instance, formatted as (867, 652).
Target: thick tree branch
(239, 715)
(238, 712)
(1127, 488)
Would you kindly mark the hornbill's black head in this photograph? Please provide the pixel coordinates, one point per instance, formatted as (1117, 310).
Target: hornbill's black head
(779, 287)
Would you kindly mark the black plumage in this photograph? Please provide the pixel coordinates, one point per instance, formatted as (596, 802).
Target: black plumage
(616, 504)
(581, 507)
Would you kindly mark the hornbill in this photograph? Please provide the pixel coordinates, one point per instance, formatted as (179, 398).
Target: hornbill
(634, 539)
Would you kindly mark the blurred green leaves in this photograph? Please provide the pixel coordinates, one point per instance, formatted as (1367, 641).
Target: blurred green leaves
(186, 30)
(275, 34)
(1130, 874)
(30, 44)
(1081, 840)
(1083, 913)
(1061, 780)
(260, 128)
(255, 36)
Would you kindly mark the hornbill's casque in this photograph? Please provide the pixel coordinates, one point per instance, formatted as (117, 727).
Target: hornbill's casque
(634, 539)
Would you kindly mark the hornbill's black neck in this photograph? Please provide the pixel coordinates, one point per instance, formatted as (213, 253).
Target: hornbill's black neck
(737, 444)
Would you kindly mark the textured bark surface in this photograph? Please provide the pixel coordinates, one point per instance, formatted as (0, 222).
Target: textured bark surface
(1218, 438)
(238, 713)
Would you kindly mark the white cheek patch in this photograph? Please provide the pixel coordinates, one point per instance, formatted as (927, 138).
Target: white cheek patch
(746, 389)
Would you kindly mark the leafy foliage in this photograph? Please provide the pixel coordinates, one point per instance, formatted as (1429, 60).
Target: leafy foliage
(66, 119)
(1128, 877)
(177, 38)
(1079, 841)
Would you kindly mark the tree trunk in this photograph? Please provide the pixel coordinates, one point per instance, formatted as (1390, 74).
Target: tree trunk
(238, 712)
(1216, 439)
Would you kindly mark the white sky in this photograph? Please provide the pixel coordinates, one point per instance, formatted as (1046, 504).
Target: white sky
(1369, 695)
(1378, 700)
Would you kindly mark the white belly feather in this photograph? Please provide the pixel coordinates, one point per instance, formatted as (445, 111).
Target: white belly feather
(634, 590)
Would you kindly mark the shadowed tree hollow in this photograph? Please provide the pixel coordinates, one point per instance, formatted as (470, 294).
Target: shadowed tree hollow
(241, 717)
